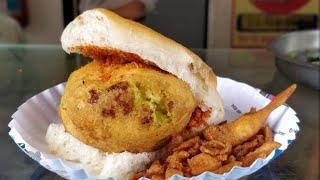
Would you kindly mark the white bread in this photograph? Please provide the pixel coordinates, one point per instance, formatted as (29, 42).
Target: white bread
(99, 32)
(96, 163)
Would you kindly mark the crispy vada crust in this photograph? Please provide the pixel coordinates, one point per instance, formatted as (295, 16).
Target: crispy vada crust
(99, 33)
(125, 106)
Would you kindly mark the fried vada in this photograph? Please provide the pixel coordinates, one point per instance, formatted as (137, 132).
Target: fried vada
(125, 107)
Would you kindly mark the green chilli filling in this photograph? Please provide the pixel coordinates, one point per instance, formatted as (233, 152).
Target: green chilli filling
(156, 104)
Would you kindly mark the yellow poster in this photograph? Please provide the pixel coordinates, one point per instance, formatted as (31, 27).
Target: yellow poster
(257, 22)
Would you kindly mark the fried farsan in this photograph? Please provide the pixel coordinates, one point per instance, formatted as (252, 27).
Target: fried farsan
(208, 151)
(261, 152)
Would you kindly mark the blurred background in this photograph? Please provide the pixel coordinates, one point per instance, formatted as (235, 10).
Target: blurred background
(194, 23)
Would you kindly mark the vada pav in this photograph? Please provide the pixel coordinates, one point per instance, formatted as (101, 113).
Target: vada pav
(140, 89)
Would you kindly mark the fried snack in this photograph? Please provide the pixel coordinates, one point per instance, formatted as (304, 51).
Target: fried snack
(248, 124)
(188, 144)
(227, 167)
(219, 148)
(216, 149)
(262, 152)
(203, 162)
(171, 171)
(157, 177)
(175, 142)
(207, 155)
(191, 146)
(243, 149)
(267, 133)
(125, 107)
(175, 160)
(155, 169)
(230, 159)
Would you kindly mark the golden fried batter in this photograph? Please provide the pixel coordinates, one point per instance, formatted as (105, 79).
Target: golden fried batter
(247, 125)
(261, 152)
(267, 133)
(245, 148)
(203, 162)
(156, 169)
(125, 107)
(227, 167)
